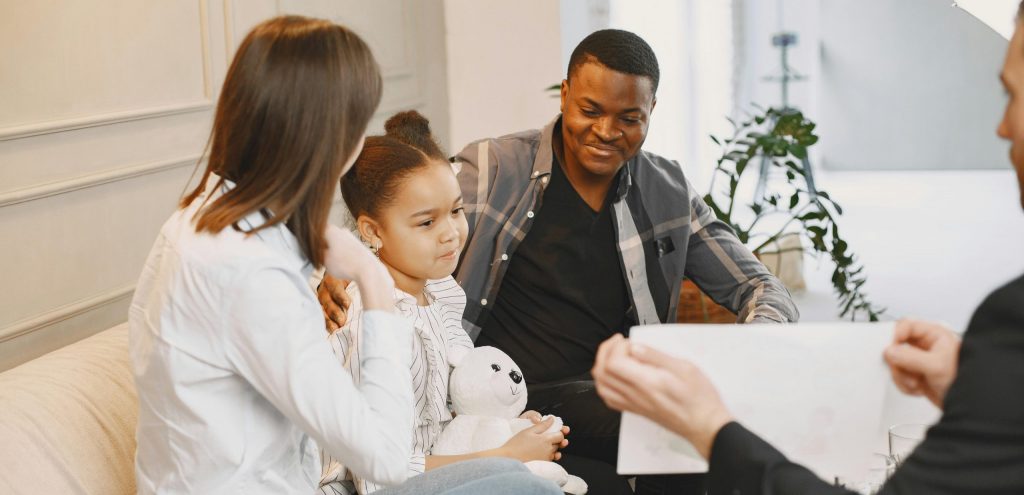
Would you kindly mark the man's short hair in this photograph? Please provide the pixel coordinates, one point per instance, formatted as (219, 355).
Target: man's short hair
(621, 51)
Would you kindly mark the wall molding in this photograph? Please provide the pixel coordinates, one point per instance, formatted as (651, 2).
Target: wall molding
(407, 68)
(62, 125)
(397, 72)
(20, 131)
(65, 312)
(229, 32)
(204, 39)
(41, 191)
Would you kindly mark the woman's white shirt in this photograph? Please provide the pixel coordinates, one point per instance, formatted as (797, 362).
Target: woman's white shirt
(437, 331)
(236, 384)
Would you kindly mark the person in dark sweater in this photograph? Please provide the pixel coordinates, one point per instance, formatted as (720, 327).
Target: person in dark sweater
(977, 447)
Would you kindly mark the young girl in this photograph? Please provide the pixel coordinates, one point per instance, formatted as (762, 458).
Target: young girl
(226, 337)
(408, 208)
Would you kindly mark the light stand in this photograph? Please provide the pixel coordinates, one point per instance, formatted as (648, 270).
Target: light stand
(783, 41)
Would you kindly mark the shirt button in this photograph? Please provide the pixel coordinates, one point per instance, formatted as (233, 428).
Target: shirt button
(483, 302)
(544, 180)
(535, 174)
(504, 257)
(529, 214)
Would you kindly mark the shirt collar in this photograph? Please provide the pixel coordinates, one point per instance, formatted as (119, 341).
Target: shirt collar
(277, 237)
(542, 162)
(404, 298)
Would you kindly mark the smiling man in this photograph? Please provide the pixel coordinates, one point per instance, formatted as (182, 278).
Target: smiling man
(577, 234)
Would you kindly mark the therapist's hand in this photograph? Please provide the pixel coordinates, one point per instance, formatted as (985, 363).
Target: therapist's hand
(347, 258)
(669, 391)
(923, 359)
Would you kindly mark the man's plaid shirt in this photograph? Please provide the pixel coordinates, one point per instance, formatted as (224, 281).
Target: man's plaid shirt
(503, 182)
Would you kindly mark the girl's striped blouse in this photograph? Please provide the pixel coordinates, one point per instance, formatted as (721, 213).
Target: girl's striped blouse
(437, 329)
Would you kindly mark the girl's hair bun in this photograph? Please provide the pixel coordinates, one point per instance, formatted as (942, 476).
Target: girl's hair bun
(407, 122)
(412, 128)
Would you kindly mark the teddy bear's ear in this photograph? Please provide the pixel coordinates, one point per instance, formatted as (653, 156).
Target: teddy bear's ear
(456, 354)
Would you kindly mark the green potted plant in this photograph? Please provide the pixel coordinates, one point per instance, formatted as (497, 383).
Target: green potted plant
(782, 138)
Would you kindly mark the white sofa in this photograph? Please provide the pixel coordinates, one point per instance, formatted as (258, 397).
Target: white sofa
(67, 420)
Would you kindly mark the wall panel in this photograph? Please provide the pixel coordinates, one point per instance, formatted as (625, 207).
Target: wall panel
(83, 63)
(105, 108)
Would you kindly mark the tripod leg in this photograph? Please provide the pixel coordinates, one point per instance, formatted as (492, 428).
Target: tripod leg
(809, 175)
(762, 179)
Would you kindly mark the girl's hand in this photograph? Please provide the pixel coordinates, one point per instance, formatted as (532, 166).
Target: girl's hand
(347, 258)
(532, 416)
(537, 417)
(533, 444)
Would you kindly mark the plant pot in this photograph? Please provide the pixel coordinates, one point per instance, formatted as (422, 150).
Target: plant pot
(785, 260)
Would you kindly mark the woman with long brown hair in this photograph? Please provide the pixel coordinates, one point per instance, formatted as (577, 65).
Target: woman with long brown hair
(227, 339)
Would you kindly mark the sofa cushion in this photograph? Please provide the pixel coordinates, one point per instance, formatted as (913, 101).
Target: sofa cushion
(67, 420)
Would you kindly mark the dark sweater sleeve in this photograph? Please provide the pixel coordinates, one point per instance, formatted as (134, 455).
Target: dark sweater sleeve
(743, 464)
(976, 448)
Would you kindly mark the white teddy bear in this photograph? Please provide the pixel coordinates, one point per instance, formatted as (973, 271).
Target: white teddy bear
(488, 394)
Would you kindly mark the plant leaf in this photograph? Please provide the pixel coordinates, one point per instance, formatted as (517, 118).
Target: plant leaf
(741, 165)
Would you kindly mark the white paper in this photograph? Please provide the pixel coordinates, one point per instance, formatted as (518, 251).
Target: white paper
(1000, 15)
(813, 390)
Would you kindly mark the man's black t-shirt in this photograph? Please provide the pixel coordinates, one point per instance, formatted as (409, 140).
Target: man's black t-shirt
(564, 291)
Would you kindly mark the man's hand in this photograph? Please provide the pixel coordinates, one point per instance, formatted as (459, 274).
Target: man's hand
(669, 391)
(923, 359)
(334, 301)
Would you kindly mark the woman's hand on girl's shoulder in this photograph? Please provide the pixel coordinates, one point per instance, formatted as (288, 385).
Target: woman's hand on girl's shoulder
(347, 258)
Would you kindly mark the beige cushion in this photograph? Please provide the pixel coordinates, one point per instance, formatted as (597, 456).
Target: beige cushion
(67, 420)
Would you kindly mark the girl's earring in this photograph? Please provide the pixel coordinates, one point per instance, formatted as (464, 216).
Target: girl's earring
(375, 247)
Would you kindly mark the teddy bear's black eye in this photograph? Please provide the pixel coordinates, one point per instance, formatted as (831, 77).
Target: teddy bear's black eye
(495, 367)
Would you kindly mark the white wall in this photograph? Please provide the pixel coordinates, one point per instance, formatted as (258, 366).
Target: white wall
(106, 107)
(907, 84)
(924, 253)
(893, 85)
(668, 26)
(580, 18)
(501, 57)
